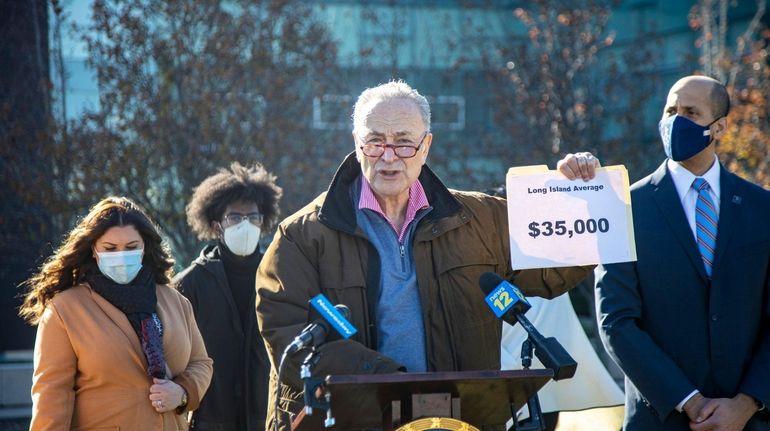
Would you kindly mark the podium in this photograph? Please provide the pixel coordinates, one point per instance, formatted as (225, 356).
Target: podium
(387, 401)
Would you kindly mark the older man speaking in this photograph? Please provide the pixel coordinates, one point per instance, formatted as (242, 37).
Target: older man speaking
(403, 252)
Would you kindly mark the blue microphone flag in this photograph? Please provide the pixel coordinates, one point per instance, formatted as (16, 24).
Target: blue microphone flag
(502, 295)
(333, 316)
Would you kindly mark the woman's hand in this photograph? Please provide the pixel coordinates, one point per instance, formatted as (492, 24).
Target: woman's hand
(165, 395)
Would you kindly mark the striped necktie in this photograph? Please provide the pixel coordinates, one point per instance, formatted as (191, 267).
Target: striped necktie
(706, 219)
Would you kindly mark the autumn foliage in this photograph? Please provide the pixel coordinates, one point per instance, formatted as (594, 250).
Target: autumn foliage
(743, 64)
(187, 87)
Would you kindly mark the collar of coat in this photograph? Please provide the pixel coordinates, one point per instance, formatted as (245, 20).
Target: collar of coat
(338, 211)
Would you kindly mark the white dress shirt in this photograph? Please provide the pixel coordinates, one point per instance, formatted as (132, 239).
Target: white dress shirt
(683, 182)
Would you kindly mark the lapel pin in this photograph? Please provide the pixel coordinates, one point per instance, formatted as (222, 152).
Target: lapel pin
(736, 199)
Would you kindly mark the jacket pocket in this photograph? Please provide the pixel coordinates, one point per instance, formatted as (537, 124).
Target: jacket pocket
(751, 249)
(458, 284)
(347, 287)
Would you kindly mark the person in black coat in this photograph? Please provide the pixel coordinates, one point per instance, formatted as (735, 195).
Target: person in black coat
(232, 208)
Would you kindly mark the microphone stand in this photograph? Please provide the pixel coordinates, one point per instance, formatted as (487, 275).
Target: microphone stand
(312, 385)
(549, 351)
(535, 421)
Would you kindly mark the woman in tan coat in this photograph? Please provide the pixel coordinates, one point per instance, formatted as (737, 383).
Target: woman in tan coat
(116, 348)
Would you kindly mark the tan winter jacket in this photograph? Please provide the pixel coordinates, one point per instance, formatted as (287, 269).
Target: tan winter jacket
(90, 370)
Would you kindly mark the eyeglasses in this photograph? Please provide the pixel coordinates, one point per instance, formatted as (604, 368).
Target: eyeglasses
(404, 148)
(235, 218)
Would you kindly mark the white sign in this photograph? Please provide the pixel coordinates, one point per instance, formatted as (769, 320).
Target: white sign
(555, 222)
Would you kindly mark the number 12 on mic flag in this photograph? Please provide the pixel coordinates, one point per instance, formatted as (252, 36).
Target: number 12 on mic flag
(556, 222)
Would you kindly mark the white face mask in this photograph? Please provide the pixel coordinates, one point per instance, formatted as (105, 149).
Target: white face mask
(120, 266)
(242, 238)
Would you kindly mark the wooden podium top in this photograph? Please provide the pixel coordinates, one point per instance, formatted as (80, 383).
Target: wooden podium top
(358, 401)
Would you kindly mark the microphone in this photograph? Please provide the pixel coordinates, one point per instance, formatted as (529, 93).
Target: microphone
(315, 333)
(509, 304)
(506, 301)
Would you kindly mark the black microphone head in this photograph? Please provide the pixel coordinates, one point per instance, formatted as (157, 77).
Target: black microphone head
(344, 310)
(489, 281)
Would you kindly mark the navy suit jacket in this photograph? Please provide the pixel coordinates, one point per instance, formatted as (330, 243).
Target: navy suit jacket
(668, 327)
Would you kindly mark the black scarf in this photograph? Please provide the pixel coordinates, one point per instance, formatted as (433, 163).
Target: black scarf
(137, 301)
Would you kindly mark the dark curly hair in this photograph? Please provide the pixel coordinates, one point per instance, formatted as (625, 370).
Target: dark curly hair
(69, 264)
(239, 183)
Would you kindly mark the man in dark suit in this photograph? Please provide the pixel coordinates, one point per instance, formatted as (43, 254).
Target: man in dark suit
(689, 321)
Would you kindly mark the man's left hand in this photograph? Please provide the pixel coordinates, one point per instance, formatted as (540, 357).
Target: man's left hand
(725, 414)
(578, 165)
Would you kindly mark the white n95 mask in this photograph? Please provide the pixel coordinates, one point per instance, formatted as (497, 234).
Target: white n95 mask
(242, 238)
(120, 266)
